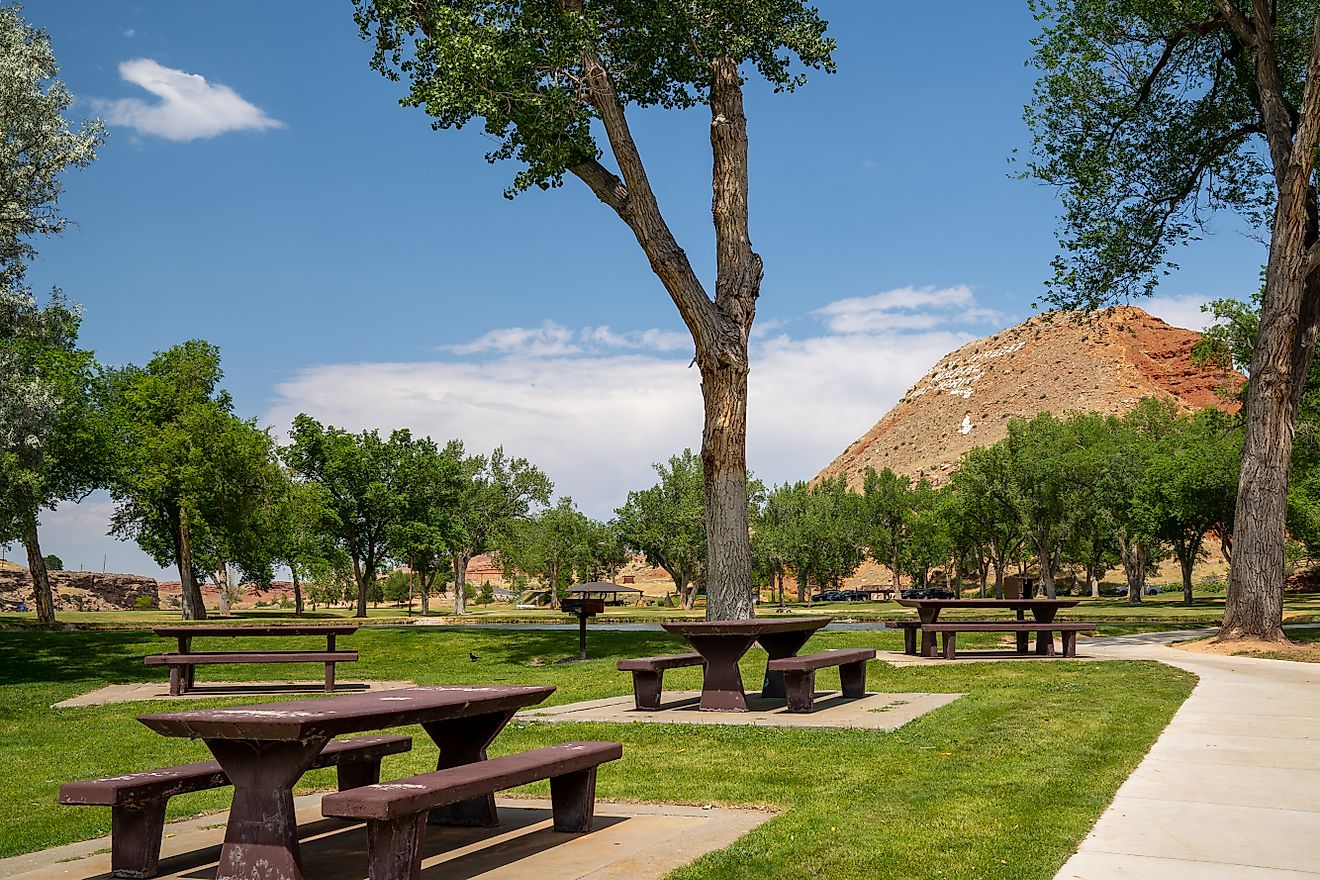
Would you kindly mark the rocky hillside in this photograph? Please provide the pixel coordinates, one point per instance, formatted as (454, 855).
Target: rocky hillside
(1058, 362)
(79, 590)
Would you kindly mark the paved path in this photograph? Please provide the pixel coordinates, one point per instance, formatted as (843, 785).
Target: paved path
(1230, 790)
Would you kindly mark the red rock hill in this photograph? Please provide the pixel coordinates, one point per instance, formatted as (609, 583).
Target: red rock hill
(1058, 362)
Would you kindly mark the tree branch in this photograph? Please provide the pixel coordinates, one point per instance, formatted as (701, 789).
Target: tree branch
(1240, 24)
(739, 268)
(605, 184)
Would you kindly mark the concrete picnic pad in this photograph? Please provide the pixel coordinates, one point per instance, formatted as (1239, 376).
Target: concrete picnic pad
(872, 712)
(1230, 790)
(630, 842)
(151, 690)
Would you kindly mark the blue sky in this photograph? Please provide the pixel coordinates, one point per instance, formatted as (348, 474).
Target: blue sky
(353, 263)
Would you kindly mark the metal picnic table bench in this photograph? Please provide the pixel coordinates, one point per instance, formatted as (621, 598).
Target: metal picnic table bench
(183, 663)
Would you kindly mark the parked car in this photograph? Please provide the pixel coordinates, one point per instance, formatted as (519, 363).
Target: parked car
(926, 593)
(829, 596)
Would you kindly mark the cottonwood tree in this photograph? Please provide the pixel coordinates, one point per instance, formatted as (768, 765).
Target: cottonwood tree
(982, 484)
(830, 536)
(365, 480)
(1151, 116)
(774, 535)
(543, 76)
(187, 474)
(37, 144)
(886, 500)
(1191, 486)
(551, 546)
(54, 445)
(429, 528)
(495, 492)
(667, 524)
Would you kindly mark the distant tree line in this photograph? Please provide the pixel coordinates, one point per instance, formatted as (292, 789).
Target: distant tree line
(1087, 493)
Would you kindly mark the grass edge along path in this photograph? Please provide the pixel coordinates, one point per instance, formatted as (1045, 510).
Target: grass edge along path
(1003, 783)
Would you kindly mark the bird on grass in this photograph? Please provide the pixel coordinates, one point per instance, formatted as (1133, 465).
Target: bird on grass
(473, 657)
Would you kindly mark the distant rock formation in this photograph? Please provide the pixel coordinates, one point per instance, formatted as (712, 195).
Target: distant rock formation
(1058, 362)
(80, 590)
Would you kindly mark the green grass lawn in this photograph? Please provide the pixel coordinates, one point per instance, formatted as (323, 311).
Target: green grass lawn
(1000, 784)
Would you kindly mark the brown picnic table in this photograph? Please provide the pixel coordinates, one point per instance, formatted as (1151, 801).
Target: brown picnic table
(722, 643)
(184, 662)
(928, 611)
(264, 749)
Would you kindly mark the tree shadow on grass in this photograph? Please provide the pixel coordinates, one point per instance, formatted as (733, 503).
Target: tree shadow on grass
(45, 656)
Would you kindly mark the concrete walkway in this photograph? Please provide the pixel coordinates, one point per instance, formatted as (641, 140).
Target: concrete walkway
(1230, 790)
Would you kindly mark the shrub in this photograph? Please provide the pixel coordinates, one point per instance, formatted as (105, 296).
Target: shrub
(144, 603)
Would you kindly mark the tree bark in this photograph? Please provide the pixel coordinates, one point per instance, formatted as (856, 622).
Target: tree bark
(1046, 552)
(222, 582)
(1187, 551)
(190, 594)
(42, 596)
(360, 574)
(460, 582)
(1285, 345)
(297, 591)
(724, 462)
(1136, 557)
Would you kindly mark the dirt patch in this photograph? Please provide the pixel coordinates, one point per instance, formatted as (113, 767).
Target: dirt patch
(1306, 652)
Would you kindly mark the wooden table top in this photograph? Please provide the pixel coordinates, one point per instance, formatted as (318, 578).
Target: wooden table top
(350, 713)
(305, 629)
(754, 626)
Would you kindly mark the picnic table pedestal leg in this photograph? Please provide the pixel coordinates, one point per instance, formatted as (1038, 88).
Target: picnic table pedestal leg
(928, 615)
(463, 741)
(778, 646)
(262, 836)
(181, 677)
(1044, 638)
(1021, 637)
(722, 687)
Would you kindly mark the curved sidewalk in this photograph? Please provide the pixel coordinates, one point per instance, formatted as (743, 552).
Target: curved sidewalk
(1230, 790)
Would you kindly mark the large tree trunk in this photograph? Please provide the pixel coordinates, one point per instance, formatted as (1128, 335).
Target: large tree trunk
(361, 572)
(1045, 551)
(1285, 346)
(1187, 551)
(724, 462)
(424, 594)
(190, 594)
(42, 596)
(222, 582)
(297, 591)
(460, 582)
(1136, 557)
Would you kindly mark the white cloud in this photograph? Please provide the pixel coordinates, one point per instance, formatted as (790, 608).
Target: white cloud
(595, 407)
(906, 308)
(188, 108)
(555, 340)
(548, 340)
(1180, 311)
(77, 534)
